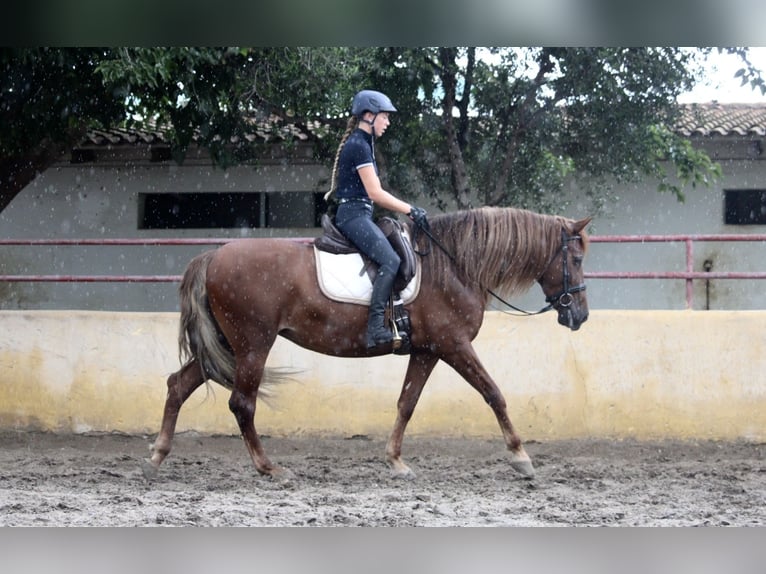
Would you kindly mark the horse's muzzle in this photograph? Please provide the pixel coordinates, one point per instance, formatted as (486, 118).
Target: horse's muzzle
(572, 318)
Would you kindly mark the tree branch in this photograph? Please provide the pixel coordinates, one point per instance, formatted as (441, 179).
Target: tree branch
(546, 66)
(18, 172)
(458, 175)
(462, 104)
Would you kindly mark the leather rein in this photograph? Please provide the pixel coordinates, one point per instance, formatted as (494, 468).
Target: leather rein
(561, 299)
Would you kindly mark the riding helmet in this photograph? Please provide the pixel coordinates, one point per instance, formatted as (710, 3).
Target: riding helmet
(371, 101)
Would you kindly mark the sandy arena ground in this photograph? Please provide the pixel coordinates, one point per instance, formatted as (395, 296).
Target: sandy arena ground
(57, 480)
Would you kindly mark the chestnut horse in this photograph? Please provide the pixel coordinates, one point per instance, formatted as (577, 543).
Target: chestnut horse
(237, 299)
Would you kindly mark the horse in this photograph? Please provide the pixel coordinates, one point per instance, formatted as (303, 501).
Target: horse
(237, 299)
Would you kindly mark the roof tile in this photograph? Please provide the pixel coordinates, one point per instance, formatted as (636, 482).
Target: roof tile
(716, 119)
(695, 120)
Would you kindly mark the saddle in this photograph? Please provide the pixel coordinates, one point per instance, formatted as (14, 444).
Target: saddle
(333, 241)
(406, 283)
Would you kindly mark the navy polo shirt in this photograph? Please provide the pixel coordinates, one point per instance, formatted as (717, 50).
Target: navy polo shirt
(356, 153)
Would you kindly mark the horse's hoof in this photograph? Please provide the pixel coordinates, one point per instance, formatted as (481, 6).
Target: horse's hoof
(403, 475)
(149, 469)
(401, 471)
(524, 468)
(281, 474)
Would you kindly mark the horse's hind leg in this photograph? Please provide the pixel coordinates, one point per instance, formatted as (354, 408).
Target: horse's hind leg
(181, 385)
(418, 371)
(248, 377)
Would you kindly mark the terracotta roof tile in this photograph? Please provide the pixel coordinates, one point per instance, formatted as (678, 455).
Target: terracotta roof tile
(709, 119)
(117, 137)
(268, 130)
(715, 119)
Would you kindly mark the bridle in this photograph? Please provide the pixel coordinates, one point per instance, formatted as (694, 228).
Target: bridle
(561, 299)
(564, 297)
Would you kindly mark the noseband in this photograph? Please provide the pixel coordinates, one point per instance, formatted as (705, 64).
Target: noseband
(564, 297)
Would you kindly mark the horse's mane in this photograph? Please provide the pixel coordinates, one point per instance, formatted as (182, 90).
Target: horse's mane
(502, 249)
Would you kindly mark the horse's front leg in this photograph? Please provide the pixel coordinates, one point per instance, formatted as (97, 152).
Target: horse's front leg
(242, 401)
(181, 385)
(467, 364)
(418, 371)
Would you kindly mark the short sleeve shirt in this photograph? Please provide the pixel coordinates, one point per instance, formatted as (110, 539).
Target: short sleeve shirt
(356, 153)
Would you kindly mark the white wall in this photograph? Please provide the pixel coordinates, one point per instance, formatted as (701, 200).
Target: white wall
(101, 201)
(642, 210)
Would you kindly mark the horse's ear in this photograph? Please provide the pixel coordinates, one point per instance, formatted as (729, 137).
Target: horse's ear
(578, 226)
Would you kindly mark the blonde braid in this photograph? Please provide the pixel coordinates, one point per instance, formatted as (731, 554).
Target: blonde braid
(353, 121)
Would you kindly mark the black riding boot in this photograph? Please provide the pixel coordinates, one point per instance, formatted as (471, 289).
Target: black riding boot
(377, 331)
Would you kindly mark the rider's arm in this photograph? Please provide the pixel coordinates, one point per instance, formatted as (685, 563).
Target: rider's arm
(379, 195)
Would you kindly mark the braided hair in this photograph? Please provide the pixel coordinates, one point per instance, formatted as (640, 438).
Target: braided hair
(353, 122)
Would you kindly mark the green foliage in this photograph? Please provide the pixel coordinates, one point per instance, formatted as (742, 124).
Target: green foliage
(525, 122)
(489, 126)
(693, 167)
(49, 97)
(749, 74)
(217, 97)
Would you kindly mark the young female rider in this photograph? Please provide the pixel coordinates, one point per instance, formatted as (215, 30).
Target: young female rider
(355, 176)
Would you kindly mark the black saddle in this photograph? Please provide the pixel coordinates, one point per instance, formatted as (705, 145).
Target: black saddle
(333, 241)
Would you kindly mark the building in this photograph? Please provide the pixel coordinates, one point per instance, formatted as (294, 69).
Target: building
(119, 184)
(733, 136)
(124, 185)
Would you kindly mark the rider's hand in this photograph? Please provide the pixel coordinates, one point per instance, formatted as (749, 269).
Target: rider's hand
(418, 215)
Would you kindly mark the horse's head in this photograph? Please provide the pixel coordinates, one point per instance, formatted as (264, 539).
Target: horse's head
(563, 282)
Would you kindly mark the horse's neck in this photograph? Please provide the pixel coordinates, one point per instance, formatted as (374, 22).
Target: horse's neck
(496, 267)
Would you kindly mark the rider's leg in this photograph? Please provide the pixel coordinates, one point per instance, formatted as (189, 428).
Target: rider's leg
(370, 240)
(377, 331)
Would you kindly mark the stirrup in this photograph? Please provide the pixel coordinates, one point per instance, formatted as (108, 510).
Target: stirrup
(397, 337)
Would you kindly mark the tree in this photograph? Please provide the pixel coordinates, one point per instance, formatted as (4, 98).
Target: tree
(50, 97)
(494, 126)
(213, 97)
(514, 124)
(209, 96)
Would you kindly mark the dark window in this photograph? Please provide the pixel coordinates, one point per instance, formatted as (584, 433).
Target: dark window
(198, 210)
(292, 209)
(745, 207)
(230, 210)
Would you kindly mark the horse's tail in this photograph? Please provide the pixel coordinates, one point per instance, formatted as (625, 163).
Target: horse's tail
(199, 336)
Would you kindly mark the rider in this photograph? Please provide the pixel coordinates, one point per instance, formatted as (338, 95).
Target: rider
(355, 175)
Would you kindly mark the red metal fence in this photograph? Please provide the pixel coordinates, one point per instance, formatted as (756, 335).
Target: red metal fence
(99, 243)
(688, 275)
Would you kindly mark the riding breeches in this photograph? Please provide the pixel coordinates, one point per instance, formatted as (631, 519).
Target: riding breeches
(354, 220)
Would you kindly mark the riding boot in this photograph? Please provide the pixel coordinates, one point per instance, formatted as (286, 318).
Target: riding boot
(377, 332)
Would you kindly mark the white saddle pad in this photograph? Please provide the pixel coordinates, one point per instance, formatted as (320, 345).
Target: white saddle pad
(343, 278)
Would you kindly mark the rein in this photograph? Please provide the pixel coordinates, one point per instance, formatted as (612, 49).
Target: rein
(552, 300)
